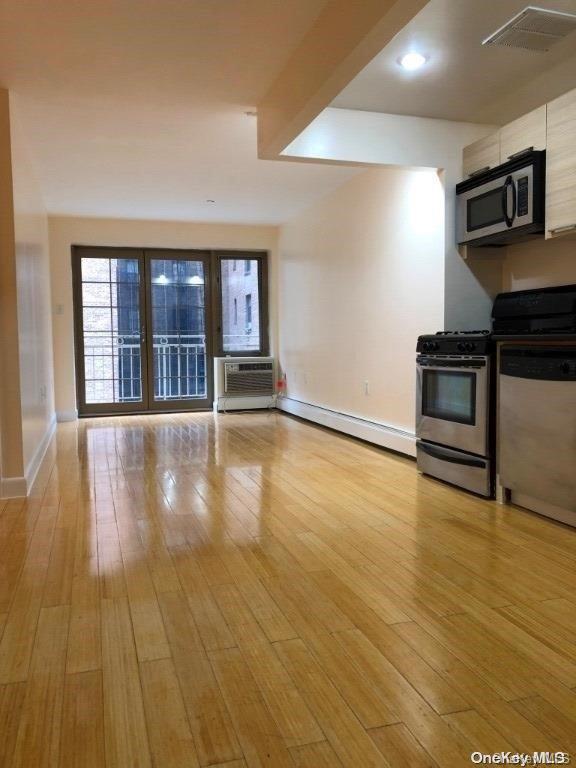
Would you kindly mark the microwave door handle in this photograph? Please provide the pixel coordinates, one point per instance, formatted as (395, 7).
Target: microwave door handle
(507, 184)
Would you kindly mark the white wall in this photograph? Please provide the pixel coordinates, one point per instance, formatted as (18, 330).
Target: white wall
(33, 297)
(65, 232)
(360, 277)
(540, 263)
(375, 138)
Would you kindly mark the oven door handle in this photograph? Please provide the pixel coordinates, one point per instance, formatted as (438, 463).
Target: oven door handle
(507, 184)
(450, 456)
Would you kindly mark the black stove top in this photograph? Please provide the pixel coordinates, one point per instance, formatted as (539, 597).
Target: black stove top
(455, 343)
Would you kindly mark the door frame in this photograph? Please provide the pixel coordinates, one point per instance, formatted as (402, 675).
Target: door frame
(146, 354)
(197, 404)
(105, 409)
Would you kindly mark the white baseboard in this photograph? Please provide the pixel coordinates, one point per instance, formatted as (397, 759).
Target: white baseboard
(13, 488)
(66, 416)
(39, 453)
(19, 487)
(373, 432)
(244, 403)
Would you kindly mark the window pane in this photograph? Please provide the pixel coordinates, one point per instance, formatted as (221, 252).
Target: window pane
(111, 330)
(178, 329)
(240, 306)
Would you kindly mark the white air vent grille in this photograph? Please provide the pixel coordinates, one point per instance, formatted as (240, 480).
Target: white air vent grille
(248, 379)
(533, 29)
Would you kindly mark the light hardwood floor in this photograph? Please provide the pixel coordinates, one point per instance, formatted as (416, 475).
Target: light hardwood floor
(254, 591)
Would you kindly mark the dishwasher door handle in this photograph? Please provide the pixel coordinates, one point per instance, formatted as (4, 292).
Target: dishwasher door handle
(437, 452)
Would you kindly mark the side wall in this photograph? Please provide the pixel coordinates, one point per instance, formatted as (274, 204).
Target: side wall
(34, 315)
(540, 263)
(26, 377)
(66, 232)
(361, 276)
(355, 136)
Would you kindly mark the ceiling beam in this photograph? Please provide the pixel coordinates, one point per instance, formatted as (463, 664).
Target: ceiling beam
(343, 39)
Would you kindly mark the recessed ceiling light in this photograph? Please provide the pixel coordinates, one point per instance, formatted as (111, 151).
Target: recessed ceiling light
(210, 201)
(411, 61)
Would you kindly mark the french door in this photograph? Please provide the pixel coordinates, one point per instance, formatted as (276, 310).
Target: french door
(141, 320)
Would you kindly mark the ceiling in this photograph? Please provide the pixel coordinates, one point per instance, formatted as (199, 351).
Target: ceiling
(462, 80)
(136, 109)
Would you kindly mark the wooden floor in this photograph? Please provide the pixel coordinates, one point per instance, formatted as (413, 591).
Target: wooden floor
(254, 591)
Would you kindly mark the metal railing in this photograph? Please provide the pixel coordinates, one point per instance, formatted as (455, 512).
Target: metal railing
(179, 362)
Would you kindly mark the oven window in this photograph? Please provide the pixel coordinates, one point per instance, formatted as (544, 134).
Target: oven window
(485, 210)
(449, 395)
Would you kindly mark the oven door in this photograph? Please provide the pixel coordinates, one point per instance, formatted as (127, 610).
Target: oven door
(496, 206)
(452, 402)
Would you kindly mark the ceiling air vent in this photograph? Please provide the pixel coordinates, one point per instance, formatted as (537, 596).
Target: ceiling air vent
(534, 29)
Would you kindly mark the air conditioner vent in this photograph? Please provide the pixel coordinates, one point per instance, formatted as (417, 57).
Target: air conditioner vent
(533, 29)
(248, 379)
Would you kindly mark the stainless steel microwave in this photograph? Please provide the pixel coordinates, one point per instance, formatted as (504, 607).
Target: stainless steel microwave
(502, 205)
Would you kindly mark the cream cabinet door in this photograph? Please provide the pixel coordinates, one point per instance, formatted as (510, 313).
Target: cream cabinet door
(482, 154)
(561, 166)
(525, 132)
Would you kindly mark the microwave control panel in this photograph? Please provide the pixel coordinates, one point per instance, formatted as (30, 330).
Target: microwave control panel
(523, 196)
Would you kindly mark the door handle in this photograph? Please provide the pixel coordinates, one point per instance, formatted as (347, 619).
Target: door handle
(143, 334)
(509, 183)
(450, 456)
(520, 153)
(565, 228)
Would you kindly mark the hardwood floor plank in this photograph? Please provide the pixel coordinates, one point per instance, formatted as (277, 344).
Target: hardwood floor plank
(212, 728)
(38, 740)
(343, 731)
(171, 741)
(84, 640)
(477, 733)
(124, 722)
(149, 635)
(400, 747)
(11, 701)
(256, 729)
(560, 729)
(58, 587)
(20, 628)
(426, 725)
(82, 740)
(318, 755)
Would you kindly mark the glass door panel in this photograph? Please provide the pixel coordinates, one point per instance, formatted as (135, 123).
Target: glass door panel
(178, 353)
(111, 363)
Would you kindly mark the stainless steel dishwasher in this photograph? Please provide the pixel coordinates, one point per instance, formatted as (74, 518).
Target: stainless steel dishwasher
(537, 427)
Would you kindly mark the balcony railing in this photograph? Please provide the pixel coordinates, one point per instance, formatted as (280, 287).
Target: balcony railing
(113, 363)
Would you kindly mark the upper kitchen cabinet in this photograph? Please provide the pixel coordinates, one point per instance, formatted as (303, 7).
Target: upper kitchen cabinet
(528, 131)
(483, 154)
(561, 166)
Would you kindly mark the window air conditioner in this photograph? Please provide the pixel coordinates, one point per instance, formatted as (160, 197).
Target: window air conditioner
(243, 383)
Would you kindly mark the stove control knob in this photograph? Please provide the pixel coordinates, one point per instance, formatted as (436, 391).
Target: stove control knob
(565, 368)
(470, 346)
(435, 345)
(461, 346)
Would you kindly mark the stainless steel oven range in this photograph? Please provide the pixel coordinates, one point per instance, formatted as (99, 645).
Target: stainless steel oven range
(454, 424)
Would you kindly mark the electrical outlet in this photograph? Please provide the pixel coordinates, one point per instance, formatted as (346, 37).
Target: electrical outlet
(43, 393)
(366, 388)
